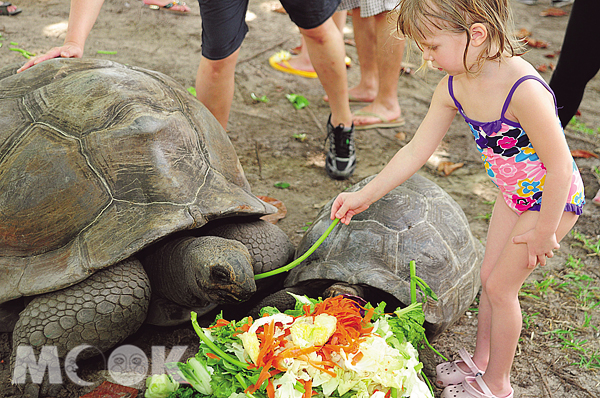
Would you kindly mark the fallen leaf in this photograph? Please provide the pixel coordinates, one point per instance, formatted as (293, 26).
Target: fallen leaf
(111, 390)
(553, 12)
(317, 160)
(582, 153)
(281, 209)
(279, 8)
(401, 136)
(449, 167)
(542, 68)
(522, 33)
(531, 42)
(553, 54)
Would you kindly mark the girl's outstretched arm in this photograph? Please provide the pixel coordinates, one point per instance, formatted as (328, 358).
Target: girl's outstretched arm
(533, 106)
(82, 16)
(406, 161)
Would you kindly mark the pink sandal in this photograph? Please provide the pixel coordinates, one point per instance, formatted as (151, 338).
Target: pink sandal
(596, 199)
(466, 390)
(449, 373)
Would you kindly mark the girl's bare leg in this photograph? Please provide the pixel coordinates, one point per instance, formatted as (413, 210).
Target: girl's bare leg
(501, 224)
(502, 289)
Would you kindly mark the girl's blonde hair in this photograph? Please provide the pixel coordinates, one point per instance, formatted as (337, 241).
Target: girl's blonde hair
(416, 17)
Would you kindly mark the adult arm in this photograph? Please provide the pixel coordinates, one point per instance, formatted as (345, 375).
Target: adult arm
(82, 16)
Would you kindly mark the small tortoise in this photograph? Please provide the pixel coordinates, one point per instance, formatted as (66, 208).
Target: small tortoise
(370, 257)
(109, 177)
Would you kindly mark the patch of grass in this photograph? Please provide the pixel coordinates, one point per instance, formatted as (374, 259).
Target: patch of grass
(529, 319)
(561, 307)
(589, 244)
(577, 125)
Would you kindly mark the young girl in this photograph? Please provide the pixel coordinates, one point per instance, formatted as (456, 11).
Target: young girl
(512, 114)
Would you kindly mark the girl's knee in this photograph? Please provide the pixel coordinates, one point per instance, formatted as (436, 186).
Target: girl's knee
(499, 294)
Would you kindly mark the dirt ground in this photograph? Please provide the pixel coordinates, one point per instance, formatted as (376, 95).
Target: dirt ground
(559, 352)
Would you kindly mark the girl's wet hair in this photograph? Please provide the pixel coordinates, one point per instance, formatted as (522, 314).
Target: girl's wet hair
(417, 18)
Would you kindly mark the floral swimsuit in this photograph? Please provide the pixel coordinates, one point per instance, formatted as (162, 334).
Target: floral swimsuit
(512, 163)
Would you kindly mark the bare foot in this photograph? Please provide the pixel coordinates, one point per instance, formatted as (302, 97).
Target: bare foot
(358, 94)
(383, 113)
(596, 199)
(10, 9)
(301, 63)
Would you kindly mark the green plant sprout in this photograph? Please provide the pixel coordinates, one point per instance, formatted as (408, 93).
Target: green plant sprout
(528, 319)
(588, 243)
(282, 185)
(574, 263)
(580, 127)
(485, 216)
(262, 98)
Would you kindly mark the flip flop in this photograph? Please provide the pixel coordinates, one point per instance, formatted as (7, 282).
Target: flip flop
(168, 7)
(298, 49)
(280, 62)
(351, 99)
(466, 390)
(4, 9)
(384, 124)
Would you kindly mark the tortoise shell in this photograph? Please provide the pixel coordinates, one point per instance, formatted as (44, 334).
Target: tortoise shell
(99, 160)
(416, 221)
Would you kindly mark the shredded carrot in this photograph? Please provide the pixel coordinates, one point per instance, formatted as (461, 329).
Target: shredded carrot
(357, 357)
(220, 323)
(388, 394)
(307, 389)
(270, 389)
(212, 356)
(369, 315)
(351, 329)
(264, 375)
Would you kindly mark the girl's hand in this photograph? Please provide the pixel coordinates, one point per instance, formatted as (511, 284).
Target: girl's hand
(348, 204)
(539, 247)
(68, 50)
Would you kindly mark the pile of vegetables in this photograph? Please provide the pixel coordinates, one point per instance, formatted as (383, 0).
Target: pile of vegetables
(338, 347)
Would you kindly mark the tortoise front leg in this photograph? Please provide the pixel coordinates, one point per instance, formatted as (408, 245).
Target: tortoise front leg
(100, 311)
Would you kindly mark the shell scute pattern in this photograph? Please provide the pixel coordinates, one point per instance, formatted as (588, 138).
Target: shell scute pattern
(416, 221)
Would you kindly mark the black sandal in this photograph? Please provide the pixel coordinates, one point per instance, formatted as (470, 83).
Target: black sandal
(4, 9)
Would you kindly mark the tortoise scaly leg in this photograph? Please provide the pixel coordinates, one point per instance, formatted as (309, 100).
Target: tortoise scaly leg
(100, 311)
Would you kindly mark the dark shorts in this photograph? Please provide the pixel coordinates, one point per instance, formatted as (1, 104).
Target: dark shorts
(224, 26)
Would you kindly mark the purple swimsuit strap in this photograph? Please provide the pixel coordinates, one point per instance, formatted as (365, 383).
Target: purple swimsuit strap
(508, 97)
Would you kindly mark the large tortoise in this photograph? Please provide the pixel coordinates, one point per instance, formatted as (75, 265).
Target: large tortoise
(370, 257)
(103, 165)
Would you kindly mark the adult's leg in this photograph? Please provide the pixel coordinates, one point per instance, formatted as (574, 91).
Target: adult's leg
(215, 85)
(302, 60)
(502, 287)
(579, 58)
(365, 36)
(390, 51)
(325, 46)
(223, 31)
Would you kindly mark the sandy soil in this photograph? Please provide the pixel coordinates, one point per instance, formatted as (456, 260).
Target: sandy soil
(263, 135)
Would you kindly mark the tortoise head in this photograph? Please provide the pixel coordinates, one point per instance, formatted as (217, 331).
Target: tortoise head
(223, 272)
(197, 271)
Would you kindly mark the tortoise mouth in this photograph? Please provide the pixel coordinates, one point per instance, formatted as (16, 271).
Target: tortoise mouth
(228, 297)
